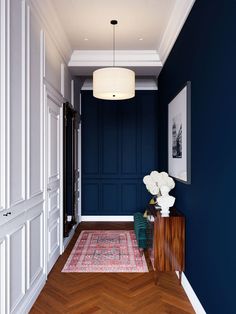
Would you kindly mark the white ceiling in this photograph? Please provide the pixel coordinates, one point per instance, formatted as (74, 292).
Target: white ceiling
(86, 24)
(90, 19)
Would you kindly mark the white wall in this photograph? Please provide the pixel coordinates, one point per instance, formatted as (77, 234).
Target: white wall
(30, 64)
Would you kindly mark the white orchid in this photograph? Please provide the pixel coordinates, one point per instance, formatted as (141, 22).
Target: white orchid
(156, 180)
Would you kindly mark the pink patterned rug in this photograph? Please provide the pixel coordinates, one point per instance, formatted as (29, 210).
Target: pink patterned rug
(106, 251)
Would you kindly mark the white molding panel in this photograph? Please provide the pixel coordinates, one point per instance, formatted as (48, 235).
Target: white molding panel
(17, 101)
(53, 244)
(53, 176)
(198, 308)
(53, 62)
(17, 267)
(35, 108)
(2, 276)
(177, 19)
(3, 79)
(34, 248)
(7, 106)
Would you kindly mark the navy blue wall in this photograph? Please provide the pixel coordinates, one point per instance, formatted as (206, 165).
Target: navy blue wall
(119, 147)
(205, 54)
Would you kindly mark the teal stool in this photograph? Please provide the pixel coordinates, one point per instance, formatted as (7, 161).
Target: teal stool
(140, 229)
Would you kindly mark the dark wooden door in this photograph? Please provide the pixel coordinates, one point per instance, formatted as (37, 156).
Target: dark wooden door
(119, 147)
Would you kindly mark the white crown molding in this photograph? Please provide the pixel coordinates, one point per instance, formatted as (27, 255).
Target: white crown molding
(46, 12)
(140, 84)
(177, 19)
(196, 304)
(98, 58)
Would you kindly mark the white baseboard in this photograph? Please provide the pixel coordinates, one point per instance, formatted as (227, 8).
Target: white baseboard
(196, 304)
(107, 218)
(31, 296)
(66, 240)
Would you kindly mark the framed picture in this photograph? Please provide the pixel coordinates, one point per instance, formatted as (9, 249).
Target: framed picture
(179, 135)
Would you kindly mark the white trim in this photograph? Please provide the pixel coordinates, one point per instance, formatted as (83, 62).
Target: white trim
(196, 304)
(107, 218)
(176, 21)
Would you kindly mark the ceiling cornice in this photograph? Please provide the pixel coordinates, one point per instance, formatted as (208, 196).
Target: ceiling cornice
(177, 19)
(122, 58)
(46, 12)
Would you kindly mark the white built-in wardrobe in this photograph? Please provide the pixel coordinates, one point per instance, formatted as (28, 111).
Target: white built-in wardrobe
(35, 81)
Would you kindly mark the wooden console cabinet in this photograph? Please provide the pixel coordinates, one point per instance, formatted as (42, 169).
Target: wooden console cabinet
(168, 242)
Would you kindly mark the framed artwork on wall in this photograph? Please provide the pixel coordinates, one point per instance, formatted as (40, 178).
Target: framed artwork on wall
(179, 135)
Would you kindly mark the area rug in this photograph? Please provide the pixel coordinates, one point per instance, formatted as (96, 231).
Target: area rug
(106, 251)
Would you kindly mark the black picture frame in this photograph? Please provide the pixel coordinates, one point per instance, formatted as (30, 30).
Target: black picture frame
(179, 135)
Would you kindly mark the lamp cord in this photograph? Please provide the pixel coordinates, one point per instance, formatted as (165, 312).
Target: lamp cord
(114, 35)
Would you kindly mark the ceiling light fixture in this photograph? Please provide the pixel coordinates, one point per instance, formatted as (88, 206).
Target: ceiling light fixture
(113, 83)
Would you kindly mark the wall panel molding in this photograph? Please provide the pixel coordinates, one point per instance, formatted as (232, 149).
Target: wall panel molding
(122, 137)
(17, 102)
(7, 106)
(17, 266)
(2, 275)
(3, 73)
(34, 240)
(35, 69)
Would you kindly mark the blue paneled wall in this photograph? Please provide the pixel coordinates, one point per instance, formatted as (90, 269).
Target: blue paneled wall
(205, 54)
(119, 147)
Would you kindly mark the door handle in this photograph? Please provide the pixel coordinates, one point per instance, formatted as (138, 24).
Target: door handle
(49, 189)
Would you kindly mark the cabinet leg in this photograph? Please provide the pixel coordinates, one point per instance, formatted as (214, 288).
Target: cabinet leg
(180, 277)
(155, 277)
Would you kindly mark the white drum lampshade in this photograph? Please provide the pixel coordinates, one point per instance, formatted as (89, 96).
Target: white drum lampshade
(113, 83)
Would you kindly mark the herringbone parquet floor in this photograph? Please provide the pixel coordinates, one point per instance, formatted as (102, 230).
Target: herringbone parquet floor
(113, 293)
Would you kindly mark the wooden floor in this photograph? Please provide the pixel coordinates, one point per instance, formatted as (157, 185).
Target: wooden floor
(110, 292)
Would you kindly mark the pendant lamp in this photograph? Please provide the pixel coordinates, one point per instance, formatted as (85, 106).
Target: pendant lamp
(113, 83)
